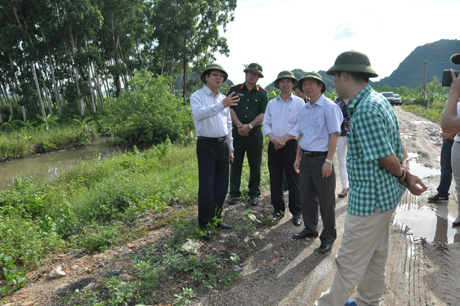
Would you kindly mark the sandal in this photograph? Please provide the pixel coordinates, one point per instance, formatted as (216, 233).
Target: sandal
(343, 194)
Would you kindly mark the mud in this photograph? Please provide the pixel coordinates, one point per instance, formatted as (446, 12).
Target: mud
(422, 267)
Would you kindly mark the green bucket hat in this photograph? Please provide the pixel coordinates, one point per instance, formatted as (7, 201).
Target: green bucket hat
(213, 66)
(455, 59)
(255, 68)
(285, 74)
(311, 75)
(353, 61)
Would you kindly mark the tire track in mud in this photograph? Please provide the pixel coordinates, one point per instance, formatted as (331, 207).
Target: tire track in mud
(406, 268)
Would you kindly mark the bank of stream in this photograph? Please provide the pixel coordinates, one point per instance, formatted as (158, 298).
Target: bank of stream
(50, 165)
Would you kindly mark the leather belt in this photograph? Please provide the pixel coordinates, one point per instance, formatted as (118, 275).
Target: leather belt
(313, 153)
(219, 139)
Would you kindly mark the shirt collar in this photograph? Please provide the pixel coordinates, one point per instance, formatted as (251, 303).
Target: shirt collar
(354, 103)
(281, 99)
(256, 87)
(209, 92)
(320, 101)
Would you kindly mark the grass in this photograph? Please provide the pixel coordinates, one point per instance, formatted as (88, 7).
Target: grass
(95, 205)
(24, 142)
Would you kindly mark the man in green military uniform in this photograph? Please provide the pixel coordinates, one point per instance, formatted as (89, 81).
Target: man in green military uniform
(247, 118)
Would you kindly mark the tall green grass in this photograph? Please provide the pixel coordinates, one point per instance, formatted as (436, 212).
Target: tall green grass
(24, 142)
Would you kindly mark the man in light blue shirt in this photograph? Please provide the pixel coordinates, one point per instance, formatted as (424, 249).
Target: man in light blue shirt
(319, 128)
(280, 126)
(214, 147)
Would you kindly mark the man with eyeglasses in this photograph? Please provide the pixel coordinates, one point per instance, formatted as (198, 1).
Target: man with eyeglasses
(214, 148)
(247, 119)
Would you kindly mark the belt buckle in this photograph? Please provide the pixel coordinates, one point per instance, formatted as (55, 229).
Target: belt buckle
(221, 139)
(307, 153)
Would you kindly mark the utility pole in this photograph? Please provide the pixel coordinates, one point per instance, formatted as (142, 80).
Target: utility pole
(424, 80)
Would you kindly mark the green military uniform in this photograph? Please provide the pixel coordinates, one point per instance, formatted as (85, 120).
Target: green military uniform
(252, 103)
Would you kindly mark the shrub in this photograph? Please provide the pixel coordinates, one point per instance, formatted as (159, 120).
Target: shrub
(149, 113)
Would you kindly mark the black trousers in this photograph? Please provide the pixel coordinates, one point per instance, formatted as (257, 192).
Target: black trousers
(213, 169)
(314, 188)
(279, 160)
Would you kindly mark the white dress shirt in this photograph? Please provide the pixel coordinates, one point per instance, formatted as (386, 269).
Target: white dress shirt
(316, 123)
(282, 117)
(211, 118)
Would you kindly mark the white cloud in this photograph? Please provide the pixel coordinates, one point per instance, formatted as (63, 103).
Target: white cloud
(289, 34)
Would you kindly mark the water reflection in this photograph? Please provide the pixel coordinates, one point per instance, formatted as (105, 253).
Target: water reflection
(432, 224)
(52, 164)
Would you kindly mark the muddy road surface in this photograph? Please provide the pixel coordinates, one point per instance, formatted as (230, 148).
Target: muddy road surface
(423, 266)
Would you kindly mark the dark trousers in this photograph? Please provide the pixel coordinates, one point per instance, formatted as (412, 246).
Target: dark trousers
(279, 160)
(253, 145)
(313, 186)
(213, 169)
(446, 168)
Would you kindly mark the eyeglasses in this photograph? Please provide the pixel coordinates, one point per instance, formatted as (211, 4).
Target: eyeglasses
(216, 74)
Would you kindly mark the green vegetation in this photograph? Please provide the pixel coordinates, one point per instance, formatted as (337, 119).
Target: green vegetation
(75, 57)
(96, 205)
(429, 106)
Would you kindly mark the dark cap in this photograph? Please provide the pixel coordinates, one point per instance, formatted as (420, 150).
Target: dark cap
(455, 59)
(213, 66)
(311, 75)
(283, 75)
(254, 67)
(353, 61)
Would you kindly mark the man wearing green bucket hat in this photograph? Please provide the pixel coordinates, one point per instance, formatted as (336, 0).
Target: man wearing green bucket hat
(280, 126)
(378, 172)
(247, 119)
(214, 148)
(319, 127)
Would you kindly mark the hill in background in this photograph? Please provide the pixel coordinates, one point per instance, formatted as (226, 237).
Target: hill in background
(410, 72)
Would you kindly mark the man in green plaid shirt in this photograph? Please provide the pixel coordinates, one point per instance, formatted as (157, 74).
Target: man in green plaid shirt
(378, 171)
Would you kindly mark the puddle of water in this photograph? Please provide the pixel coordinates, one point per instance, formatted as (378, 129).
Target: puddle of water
(425, 222)
(51, 164)
(420, 170)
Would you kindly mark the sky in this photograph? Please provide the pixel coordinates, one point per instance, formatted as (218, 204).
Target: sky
(309, 35)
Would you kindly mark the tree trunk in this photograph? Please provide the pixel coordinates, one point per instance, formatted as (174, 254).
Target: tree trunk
(76, 75)
(7, 99)
(163, 60)
(37, 87)
(98, 87)
(116, 78)
(45, 94)
(24, 113)
(185, 68)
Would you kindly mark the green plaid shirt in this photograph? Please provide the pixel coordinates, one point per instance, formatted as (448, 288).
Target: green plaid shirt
(374, 134)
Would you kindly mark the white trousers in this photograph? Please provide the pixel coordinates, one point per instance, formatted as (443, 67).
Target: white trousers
(360, 262)
(342, 157)
(455, 162)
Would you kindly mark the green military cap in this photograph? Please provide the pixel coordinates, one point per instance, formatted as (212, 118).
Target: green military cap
(213, 66)
(311, 75)
(353, 61)
(283, 75)
(254, 67)
(455, 59)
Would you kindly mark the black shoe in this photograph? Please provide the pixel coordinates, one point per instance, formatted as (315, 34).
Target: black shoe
(277, 215)
(224, 225)
(438, 199)
(456, 222)
(305, 234)
(232, 200)
(254, 201)
(206, 234)
(325, 247)
(297, 220)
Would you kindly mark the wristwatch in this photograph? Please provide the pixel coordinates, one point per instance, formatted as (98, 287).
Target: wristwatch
(328, 161)
(250, 126)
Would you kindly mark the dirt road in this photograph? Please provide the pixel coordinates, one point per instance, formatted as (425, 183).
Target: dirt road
(284, 271)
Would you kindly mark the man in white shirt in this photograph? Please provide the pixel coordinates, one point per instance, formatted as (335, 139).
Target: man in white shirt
(280, 126)
(214, 147)
(319, 129)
